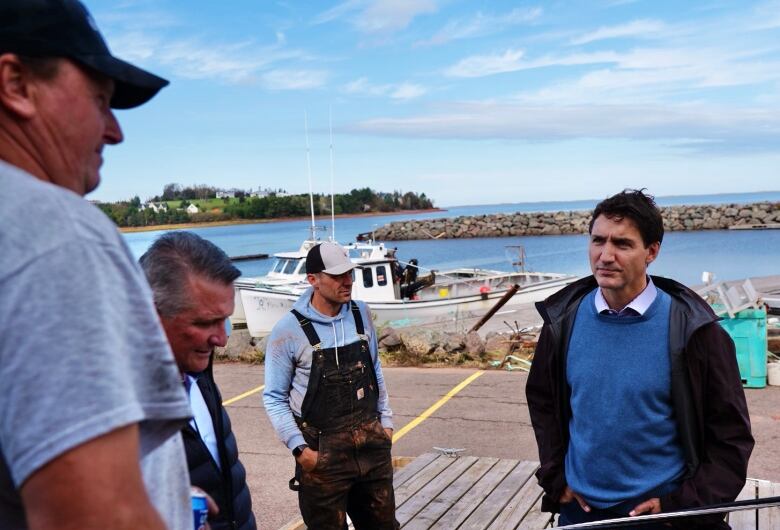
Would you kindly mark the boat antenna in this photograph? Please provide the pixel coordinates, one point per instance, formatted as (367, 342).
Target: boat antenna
(332, 208)
(308, 167)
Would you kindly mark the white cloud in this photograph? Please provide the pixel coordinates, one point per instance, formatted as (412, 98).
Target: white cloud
(402, 91)
(134, 46)
(482, 24)
(361, 86)
(511, 61)
(234, 63)
(483, 65)
(339, 11)
(657, 75)
(408, 91)
(384, 16)
(138, 34)
(294, 79)
(231, 63)
(636, 29)
(378, 16)
(694, 126)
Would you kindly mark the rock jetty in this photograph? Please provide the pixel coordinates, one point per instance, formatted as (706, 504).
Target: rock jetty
(431, 347)
(676, 218)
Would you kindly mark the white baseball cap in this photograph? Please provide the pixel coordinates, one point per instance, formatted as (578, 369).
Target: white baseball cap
(330, 258)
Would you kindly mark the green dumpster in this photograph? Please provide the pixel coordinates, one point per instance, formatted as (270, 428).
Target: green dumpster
(748, 331)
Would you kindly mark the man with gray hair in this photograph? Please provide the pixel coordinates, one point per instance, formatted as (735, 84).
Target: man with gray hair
(192, 282)
(92, 405)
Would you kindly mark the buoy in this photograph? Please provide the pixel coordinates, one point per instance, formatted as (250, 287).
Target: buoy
(483, 291)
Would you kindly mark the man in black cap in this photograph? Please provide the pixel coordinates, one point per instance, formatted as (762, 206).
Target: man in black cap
(92, 403)
(325, 396)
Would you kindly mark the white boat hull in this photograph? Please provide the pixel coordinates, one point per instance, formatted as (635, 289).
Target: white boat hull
(263, 308)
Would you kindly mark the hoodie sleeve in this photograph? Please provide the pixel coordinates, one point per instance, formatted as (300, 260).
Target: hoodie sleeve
(279, 371)
(383, 403)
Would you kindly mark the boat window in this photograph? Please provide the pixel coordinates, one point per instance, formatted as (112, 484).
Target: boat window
(368, 277)
(289, 266)
(303, 267)
(381, 275)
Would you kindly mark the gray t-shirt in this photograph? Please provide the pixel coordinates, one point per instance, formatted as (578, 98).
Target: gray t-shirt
(81, 349)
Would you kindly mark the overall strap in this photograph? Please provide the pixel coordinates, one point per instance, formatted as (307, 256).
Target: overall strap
(358, 320)
(308, 329)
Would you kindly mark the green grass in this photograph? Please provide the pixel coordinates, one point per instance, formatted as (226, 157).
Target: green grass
(205, 205)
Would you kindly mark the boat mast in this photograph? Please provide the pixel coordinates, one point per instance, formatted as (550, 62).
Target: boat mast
(332, 208)
(308, 167)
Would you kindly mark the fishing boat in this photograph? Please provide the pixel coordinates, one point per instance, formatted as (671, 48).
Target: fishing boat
(397, 293)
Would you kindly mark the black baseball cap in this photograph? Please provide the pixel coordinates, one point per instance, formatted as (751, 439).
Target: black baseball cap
(64, 28)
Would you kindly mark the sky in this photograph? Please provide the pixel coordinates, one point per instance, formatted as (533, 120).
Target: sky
(470, 102)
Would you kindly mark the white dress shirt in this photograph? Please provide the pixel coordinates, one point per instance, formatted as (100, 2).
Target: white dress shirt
(201, 419)
(637, 306)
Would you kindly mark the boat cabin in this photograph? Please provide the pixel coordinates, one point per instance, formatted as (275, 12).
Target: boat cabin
(374, 279)
(289, 268)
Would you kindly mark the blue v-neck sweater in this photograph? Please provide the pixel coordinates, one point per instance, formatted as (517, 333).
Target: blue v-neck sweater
(623, 437)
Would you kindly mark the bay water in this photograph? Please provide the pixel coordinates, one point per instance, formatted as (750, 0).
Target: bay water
(729, 254)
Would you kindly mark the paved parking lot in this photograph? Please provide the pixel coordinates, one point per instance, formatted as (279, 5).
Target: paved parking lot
(486, 418)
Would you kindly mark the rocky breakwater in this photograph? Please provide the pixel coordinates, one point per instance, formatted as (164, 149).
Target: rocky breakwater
(433, 347)
(676, 218)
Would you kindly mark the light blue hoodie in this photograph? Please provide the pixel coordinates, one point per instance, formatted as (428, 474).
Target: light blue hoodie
(288, 357)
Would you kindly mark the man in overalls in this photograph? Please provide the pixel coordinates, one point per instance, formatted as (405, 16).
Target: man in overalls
(326, 399)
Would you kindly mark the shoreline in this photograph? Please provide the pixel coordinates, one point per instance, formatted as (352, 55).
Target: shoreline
(210, 224)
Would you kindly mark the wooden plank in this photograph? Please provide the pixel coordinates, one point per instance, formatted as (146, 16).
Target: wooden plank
(452, 495)
(768, 517)
(491, 507)
(461, 510)
(412, 468)
(746, 519)
(420, 479)
(536, 518)
(519, 505)
(431, 490)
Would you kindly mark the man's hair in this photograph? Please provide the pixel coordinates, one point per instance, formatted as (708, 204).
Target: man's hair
(172, 258)
(44, 68)
(637, 206)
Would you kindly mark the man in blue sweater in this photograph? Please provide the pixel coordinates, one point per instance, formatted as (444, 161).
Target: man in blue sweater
(326, 399)
(634, 393)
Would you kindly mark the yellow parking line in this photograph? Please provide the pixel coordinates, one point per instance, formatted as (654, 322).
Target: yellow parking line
(433, 408)
(242, 396)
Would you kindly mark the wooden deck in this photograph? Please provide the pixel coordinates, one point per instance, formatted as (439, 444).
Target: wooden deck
(437, 491)
(441, 492)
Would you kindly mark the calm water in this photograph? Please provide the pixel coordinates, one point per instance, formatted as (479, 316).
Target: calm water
(730, 254)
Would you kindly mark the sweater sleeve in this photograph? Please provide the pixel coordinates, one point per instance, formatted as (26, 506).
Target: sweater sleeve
(727, 441)
(279, 371)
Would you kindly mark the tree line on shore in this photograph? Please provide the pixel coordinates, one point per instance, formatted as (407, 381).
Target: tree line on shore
(246, 205)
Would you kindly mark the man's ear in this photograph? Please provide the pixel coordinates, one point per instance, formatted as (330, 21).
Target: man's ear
(17, 87)
(653, 250)
(312, 279)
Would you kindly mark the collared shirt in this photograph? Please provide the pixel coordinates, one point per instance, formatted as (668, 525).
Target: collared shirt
(201, 419)
(635, 307)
